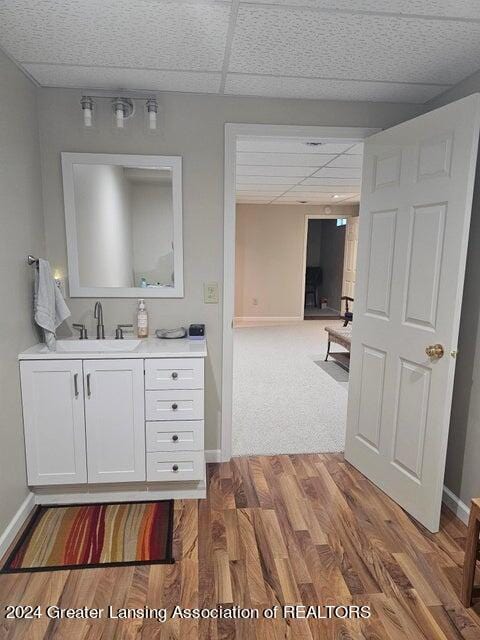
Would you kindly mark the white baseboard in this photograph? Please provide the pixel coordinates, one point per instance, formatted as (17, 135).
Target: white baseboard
(16, 523)
(268, 318)
(191, 491)
(213, 455)
(458, 507)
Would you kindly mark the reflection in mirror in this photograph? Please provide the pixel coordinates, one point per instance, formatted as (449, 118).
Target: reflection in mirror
(124, 225)
(123, 222)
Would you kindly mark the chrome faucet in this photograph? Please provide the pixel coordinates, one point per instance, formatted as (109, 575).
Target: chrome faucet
(98, 315)
(82, 329)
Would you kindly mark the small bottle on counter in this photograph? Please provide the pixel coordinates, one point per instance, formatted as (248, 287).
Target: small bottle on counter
(142, 320)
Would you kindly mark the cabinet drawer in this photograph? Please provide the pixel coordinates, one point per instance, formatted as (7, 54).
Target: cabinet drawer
(174, 373)
(175, 435)
(165, 466)
(174, 405)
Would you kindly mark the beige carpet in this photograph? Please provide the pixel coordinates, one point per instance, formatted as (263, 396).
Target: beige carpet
(283, 401)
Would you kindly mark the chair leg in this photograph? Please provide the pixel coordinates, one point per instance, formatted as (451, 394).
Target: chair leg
(328, 351)
(470, 560)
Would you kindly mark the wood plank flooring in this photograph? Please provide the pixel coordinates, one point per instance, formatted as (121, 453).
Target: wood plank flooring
(275, 530)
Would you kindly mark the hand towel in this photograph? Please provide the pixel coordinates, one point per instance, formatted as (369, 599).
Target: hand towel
(50, 308)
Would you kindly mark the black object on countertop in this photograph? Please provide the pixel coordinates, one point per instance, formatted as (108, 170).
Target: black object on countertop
(196, 330)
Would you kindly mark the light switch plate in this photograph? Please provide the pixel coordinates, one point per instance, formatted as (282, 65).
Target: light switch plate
(210, 292)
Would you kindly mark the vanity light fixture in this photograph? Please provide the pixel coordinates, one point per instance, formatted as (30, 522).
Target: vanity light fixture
(123, 108)
(152, 110)
(87, 108)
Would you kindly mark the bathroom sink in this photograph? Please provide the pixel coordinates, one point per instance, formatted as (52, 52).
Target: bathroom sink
(97, 346)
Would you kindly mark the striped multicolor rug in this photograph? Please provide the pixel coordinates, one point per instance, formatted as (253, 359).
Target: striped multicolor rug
(82, 536)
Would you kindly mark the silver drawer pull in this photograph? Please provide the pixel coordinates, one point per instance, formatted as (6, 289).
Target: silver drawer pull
(174, 375)
(175, 467)
(175, 438)
(174, 406)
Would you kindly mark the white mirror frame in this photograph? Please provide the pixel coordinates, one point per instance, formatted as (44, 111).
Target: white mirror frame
(171, 162)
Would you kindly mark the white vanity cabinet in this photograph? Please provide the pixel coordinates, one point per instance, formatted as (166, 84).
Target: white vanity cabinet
(114, 426)
(54, 421)
(115, 420)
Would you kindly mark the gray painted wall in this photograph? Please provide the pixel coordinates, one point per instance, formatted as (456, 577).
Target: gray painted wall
(191, 126)
(21, 223)
(462, 473)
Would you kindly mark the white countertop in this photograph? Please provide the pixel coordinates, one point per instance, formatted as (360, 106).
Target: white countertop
(149, 348)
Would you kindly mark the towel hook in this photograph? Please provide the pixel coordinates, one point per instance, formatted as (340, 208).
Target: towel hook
(32, 260)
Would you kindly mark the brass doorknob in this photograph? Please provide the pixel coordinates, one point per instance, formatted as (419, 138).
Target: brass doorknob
(435, 351)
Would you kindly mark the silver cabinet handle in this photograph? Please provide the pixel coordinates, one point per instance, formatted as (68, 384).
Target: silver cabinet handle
(89, 391)
(75, 384)
(174, 375)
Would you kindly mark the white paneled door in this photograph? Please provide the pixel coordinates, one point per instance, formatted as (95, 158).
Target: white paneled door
(350, 260)
(115, 419)
(414, 222)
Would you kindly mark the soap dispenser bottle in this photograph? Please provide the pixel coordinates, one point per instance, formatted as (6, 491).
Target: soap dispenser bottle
(142, 320)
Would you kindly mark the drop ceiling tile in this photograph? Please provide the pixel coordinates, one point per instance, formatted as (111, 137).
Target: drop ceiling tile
(326, 200)
(110, 78)
(445, 8)
(288, 145)
(280, 41)
(249, 170)
(345, 160)
(284, 159)
(315, 196)
(318, 89)
(265, 180)
(355, 199)
(248, 193)
(326, 188)
(344, 196)
(125, 33)
(357, 149)
(333, 172)
(331, 182)
(255, 188)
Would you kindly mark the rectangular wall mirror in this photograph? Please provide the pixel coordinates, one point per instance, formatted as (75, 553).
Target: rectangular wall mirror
(123, 218)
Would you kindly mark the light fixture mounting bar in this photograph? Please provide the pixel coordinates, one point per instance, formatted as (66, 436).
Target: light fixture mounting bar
(132, 95)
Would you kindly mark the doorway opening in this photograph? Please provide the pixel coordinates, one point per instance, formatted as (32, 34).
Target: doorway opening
(330, 264)
(286, 187)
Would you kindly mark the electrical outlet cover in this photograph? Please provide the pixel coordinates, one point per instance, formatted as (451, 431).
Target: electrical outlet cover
(210, 292)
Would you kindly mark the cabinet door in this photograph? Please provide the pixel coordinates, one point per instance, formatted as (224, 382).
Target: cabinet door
(54, 421)
(115, 419)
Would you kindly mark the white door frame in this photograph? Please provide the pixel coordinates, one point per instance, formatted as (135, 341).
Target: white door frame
(233, 131)
(315, 216)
